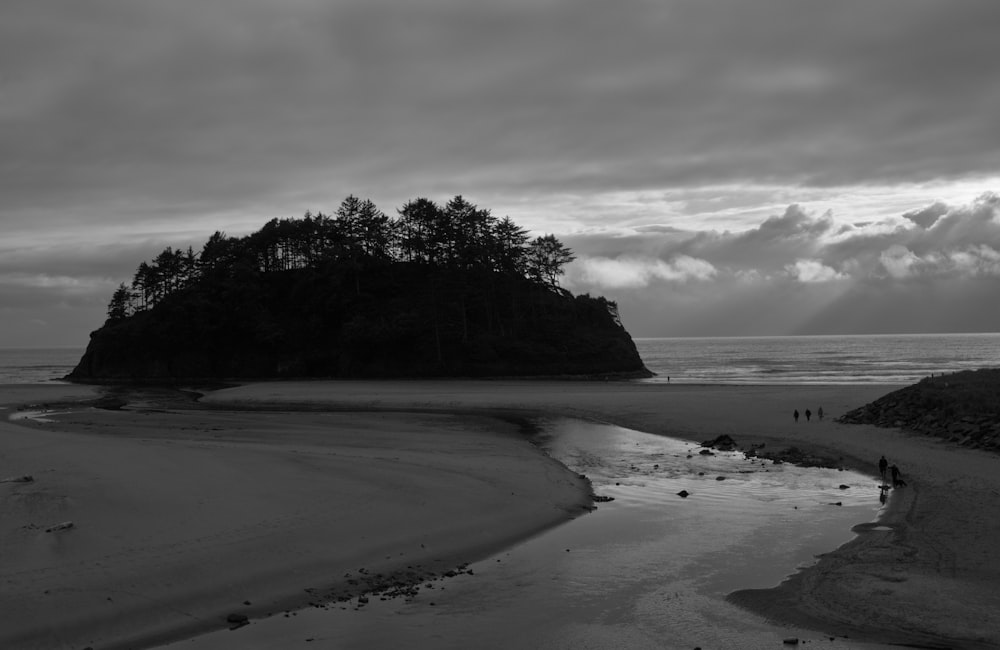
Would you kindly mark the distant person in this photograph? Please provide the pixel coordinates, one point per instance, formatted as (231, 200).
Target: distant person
(883, 465)
(896, 480)
(808, 415)
(819, 413)
(795, 414)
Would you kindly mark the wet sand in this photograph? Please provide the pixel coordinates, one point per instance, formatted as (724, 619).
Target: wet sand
(160, 500)
(648, 570)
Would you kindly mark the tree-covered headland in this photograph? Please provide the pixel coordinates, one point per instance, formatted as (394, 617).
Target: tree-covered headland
(437, 290)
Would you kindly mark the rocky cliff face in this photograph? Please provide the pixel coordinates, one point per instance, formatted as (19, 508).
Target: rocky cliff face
(961, 407)
(398, 321)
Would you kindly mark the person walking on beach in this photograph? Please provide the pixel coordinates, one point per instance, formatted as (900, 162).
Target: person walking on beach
(808, 415)
(883, 464)
(795, 414)
(896, 481)
(819, 413)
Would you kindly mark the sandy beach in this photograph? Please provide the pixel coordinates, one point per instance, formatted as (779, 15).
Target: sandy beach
(184, 515)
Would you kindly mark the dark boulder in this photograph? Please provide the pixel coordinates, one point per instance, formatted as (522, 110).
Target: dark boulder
(722, 443)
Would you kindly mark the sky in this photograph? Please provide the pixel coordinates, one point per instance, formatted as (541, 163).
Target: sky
(719, 167)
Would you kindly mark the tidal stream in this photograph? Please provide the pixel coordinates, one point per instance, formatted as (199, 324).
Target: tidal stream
(649, 569)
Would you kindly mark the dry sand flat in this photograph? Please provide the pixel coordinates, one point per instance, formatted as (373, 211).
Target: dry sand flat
(265, 503)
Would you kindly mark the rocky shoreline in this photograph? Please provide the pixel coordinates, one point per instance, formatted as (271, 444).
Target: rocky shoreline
(962, 408)
(792, 455)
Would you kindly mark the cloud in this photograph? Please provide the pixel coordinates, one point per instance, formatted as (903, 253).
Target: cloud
(64, 284)
(976, 260)
(784, 275)
(813, 271)
(632, 272)
(925, 218)
(899, 261)
(194, 107)
(689, 126)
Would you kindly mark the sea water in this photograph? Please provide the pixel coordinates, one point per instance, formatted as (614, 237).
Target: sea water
(868, 359)
(37, 365)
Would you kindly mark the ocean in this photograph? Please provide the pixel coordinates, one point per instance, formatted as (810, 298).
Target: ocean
(858, 359)
(870, 359)
(37, 365)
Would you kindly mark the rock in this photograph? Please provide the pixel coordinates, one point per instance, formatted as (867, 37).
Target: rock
(720, 478)
(791, 641)
(66, 525)
(706, 452)
(603, 499)
(109, 403)
(844, 487)
(722, 443)
(962, 407)
(683, 494)
(237, 619)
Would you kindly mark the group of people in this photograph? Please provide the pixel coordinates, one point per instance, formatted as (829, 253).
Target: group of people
(808, 414)
(883, 466)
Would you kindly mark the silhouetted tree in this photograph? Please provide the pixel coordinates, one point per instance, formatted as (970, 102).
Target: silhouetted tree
(509, 241)
(459, 235)
(471, 233)
(546, 258)
(419, 221)
(121, 306)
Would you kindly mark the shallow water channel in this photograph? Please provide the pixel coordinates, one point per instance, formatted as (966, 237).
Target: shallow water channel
(649, 569)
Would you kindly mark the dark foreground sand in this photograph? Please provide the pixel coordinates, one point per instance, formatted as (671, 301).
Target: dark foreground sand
(181, 517)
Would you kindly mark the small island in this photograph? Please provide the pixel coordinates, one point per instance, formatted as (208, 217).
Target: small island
(437, 291)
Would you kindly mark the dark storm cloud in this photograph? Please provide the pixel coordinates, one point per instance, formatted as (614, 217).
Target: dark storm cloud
(227, 101)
